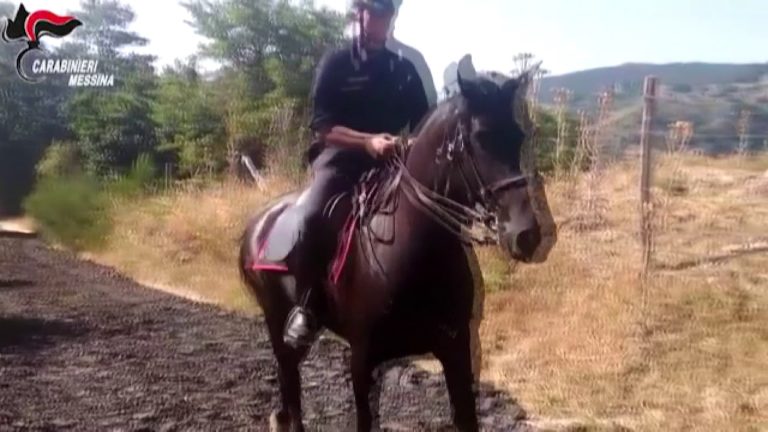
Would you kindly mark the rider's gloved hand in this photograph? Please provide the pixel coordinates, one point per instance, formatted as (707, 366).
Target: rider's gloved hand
(381, 145)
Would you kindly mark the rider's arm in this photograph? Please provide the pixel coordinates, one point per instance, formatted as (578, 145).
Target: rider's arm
(346, 137)
(324, 119)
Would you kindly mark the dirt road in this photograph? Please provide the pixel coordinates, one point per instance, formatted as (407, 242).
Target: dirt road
(83, 348)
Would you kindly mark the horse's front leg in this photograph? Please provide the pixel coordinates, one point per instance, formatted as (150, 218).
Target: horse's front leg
(454, 352)
(362, 381)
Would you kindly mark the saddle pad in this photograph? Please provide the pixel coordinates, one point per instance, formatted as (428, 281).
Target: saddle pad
(283, 234)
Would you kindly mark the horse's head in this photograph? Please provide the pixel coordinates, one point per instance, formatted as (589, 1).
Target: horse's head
(494, 124)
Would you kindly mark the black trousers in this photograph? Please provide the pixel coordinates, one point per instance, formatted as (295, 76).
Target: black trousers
(335, 171)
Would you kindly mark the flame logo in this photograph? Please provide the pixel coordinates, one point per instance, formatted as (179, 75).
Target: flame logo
(31, 27)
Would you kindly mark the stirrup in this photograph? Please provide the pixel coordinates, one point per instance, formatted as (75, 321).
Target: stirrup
(302, 333)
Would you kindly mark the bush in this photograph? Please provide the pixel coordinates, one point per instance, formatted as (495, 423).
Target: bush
(60, 159)
(70, 210)
(139, 179)
(546, 160)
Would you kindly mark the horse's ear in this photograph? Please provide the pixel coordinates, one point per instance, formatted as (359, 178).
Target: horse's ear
(466, 77)
(520, 106)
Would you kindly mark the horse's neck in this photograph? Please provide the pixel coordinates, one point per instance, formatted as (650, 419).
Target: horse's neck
(425, 233)
(422, 162)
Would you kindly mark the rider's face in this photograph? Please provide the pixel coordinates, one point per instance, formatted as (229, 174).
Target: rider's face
(377, 25)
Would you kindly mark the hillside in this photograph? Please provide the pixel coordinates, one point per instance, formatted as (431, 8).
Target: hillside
(628, 77)
(711, 96)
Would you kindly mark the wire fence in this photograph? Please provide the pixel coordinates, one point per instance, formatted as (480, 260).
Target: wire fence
(708, 200)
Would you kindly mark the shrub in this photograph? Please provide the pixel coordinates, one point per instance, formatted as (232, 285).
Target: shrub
(139, 179)
(60, 159)
(70, 210)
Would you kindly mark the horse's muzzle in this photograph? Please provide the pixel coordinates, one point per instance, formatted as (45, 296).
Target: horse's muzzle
(522, 246)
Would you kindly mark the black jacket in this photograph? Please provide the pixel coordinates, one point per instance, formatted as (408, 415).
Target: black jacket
(382, 94)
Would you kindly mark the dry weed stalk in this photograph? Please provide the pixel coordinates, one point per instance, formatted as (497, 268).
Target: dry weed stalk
(674, 182)
(592, 145)
(287, 143)
(562, 97)
(743, 128)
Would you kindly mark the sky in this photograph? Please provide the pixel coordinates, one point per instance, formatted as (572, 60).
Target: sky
(567, 35)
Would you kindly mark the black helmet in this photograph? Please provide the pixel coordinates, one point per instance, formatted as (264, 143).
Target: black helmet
(380, 6)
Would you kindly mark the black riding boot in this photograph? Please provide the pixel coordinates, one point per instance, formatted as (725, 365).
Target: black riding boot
(334, 172)
(302, 326)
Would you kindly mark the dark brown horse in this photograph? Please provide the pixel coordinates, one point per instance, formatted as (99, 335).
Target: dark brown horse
(410, 290)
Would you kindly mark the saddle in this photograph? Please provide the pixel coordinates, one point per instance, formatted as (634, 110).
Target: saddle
(366, 211)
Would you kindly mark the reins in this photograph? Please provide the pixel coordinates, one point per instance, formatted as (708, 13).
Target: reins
(376, 191)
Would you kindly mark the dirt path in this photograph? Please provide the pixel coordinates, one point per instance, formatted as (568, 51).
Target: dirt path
(83, 348)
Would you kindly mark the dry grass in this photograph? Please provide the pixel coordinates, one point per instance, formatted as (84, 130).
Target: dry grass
(187, 239)
(578, 340)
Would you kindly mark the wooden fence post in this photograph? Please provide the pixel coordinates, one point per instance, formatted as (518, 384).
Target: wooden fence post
(646, 206)
(743, 127)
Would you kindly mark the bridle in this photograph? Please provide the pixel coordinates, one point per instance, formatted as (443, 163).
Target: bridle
(455, 155)
(377, 194)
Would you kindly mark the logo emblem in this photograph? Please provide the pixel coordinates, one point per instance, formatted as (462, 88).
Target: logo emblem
(31, 27)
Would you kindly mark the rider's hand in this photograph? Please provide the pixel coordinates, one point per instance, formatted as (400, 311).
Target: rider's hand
(380, 145)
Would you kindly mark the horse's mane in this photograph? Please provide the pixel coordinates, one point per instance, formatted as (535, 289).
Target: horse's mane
(450, 101)
(423, 121)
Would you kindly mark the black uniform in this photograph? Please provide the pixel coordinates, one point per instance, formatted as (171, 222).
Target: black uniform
(382, 94)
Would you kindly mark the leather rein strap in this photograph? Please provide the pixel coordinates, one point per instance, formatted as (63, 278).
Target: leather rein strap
(458, 218)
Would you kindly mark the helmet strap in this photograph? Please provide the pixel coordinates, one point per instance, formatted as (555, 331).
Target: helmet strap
(361, 37)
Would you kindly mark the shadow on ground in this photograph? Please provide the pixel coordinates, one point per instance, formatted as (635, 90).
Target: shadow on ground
(15, 283)
(33, 333)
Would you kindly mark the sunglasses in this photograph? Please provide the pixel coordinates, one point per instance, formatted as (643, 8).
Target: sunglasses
(379, 12)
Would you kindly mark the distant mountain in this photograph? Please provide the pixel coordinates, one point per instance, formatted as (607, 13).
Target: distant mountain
(711, 96)
(629, 77)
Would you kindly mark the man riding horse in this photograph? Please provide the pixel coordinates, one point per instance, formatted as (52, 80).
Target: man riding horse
(364, 95)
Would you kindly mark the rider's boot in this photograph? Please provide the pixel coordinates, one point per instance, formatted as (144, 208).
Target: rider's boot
(302, 325)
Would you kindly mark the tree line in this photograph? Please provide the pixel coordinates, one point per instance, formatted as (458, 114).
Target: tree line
(176, 116)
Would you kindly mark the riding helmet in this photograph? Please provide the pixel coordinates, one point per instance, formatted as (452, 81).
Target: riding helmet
(380, 6)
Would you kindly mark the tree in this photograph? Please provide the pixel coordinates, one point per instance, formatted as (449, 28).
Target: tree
(269, 50)
(189, 124)
(30, 117)
(113, 125)
(104, 33)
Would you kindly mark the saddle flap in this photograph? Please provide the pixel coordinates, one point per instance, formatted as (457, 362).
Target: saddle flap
(283, 235)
